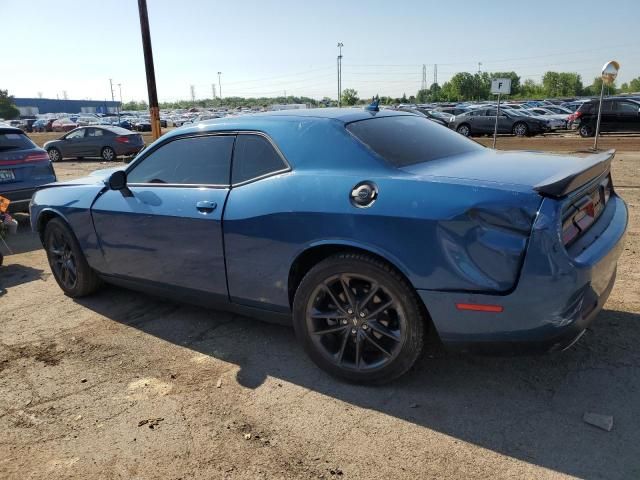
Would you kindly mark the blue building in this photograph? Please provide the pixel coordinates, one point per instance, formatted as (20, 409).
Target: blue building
(36, 106)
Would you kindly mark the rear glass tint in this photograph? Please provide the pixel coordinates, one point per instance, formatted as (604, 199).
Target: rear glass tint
(15, 141)
(406, 140)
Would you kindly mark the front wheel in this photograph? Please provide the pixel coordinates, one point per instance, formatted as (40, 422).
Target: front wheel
(520, 129)
(358, 319)
(68, 264)
(108, 154)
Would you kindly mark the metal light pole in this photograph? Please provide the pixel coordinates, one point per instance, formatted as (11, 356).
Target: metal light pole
(495, 126)
(154, 110)
(609, 74)
(113, 99)
(340, 45)
(220, 87)
(120, 91)
(479, 79)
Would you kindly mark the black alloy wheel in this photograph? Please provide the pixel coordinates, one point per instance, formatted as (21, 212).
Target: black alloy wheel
(62, 260)
(68, 264)
(359, 319)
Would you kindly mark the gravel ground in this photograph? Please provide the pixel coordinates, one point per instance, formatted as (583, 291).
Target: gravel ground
(122, 385)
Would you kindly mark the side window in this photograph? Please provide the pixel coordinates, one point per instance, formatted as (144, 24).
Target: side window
(76, 134)
(203, 160)
(94, 132)
(254, 156)
(628, 107)
(607, 107)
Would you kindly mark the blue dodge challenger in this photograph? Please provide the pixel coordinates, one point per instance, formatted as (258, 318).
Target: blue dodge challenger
(365, 229)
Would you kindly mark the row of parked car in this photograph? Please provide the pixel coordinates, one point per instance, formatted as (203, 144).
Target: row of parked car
(619, 114)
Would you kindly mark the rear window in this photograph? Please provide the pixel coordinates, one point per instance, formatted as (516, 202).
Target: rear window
(406, 140)
(15, 141)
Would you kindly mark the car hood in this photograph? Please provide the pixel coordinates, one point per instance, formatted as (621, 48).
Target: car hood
(516, 170)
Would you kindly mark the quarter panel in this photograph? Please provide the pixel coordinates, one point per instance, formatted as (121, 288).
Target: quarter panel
(443, 236)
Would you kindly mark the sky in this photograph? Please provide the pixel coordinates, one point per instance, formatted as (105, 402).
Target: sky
(268, 47)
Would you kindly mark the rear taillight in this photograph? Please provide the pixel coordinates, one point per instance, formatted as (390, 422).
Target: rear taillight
(584, 212)
(36, 157)
(574, 116)
(123, 139)
(17, 158)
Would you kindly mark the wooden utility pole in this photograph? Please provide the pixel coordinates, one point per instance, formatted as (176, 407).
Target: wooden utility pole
(154, 110)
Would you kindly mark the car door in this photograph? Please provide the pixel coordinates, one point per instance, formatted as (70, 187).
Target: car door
(628, 116)
(260, 183)
(489, 121)
(166, 226)
(608, 118)
(72, 143)
(95, 139)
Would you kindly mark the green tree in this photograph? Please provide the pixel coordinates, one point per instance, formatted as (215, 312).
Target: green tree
(349, 96)
(462, 86)
(435, 92)
(530, 89)
(7, 108)
(422, 96)
(562, 84)
(133, 105)
(632, 87)
(404, 98)
(596, 86)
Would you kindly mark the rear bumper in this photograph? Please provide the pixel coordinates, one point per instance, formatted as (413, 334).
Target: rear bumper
(558, 295)
(124, 149)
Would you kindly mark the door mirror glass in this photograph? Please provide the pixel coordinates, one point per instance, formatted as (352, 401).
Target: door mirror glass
(118, 180)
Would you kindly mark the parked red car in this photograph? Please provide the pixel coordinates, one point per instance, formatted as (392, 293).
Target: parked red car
(63, 125)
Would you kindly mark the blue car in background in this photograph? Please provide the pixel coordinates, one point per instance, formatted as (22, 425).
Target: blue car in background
(364, 229)
(23, 168)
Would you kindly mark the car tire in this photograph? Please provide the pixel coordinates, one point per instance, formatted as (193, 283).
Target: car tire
(585, 131)
(108, 154)
(68, 264)
(54, 154)
(350, 335)
(521, 129)
(464, 130)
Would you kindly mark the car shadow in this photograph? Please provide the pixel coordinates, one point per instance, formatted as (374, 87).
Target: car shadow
(528, 408)
(15, 274)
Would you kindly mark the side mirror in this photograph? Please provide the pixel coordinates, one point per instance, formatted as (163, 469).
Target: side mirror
(118, 180)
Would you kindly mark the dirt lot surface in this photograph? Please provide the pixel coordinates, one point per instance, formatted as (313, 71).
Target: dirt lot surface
(122, 385)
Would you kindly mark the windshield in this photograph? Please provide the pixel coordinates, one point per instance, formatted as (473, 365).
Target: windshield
(407, 140)
(15, 141)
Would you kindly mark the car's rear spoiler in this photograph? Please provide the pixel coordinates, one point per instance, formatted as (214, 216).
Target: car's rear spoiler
(566, 182)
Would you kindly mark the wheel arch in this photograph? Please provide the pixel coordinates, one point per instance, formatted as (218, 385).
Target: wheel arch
(315, 253)
(44, 217)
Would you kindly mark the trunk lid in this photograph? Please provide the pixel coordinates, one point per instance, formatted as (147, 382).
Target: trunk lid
(544, 173)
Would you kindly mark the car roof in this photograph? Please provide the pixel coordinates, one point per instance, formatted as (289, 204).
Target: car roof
(259, 121)
(9, 129)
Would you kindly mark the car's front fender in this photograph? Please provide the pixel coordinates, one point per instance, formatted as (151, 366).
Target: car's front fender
(72, 203)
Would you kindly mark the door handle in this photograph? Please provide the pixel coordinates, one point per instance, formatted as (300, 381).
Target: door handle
(205, 206)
